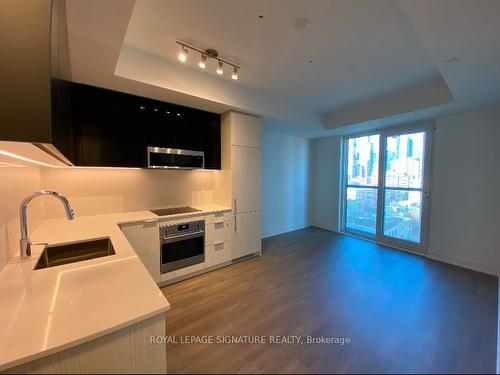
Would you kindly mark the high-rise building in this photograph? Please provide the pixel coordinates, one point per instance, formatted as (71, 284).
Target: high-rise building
(409, 148)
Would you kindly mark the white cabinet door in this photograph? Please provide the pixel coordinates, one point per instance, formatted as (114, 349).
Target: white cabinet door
(245, 130)
(245, 236)
(245, 179)
(218, 253)
(145, 239)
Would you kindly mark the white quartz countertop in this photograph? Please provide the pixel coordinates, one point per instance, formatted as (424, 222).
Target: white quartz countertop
(49, 310)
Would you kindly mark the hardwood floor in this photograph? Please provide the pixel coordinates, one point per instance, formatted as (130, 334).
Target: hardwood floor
(402, 312)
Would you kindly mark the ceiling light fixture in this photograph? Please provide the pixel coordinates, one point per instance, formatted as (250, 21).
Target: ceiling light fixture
(205, 54)
(202, 64)
(235, 73)
(183, 53)
(220, 68)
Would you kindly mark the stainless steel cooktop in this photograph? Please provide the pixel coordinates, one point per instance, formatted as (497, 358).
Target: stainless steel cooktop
(174, 210)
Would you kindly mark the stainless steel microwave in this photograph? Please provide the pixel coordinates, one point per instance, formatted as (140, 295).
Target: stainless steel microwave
(173, 158)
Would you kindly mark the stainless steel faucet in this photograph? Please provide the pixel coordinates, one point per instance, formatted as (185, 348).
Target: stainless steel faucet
(25, 241)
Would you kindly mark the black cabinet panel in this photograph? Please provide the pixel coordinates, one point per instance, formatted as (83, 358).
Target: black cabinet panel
(114, 129)
(62, 121)
(107, 129)
(173, 126)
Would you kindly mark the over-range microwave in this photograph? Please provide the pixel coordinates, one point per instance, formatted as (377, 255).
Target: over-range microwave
(173, 158)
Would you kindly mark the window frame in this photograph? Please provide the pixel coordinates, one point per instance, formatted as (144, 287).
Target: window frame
(428, 127)
(344, 183)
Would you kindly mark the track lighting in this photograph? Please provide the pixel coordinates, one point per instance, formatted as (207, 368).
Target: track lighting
(235, 73)
(202, 63)
(205, 54)
(183, 53)
(220, 69)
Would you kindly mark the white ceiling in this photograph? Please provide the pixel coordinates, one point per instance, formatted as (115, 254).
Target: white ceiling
(364, 53)
(359, 48)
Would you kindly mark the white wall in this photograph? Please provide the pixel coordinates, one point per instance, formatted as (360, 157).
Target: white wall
(325, 183)
(285, 182)
(465, 180)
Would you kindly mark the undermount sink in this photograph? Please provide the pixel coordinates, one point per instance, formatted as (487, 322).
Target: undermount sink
(57, 255)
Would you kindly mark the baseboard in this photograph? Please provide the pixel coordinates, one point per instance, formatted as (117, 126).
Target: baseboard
(464, 263)
(329, 227)
(165, 283)
(281, 230)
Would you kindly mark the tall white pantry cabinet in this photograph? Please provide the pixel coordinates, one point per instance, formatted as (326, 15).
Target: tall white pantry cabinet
(241, 155)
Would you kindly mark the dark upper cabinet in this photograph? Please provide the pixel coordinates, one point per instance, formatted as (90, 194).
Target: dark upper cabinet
(114, 129)
(107, 129)
(173, 126)
(79, 124)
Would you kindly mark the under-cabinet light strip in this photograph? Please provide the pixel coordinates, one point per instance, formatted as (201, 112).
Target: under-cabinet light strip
(15, 156)
(19, 157)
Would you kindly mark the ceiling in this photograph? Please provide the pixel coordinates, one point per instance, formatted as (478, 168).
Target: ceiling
(373, 62)
(347, 40)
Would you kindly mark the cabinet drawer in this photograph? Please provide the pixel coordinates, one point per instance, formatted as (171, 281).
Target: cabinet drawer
(217, 232)
(218, 217)
(217, 254)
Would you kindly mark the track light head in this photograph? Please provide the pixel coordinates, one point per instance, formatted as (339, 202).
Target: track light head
(235, 74)
(183, 53)
(202, 64)
(206, 54)
(220, 69)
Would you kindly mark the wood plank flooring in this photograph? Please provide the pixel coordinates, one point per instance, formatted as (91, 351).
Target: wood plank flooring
(402, 312)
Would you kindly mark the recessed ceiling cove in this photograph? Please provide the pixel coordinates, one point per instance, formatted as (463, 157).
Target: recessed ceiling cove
(314, 67)
(359, 48)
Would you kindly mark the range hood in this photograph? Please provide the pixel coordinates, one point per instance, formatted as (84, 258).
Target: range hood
(172, 158)
(35, 74)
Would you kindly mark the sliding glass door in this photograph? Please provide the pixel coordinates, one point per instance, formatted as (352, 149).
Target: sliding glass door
(385, 189)
(362, 185)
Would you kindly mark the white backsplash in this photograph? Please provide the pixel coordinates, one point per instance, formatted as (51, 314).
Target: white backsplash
(93, 191)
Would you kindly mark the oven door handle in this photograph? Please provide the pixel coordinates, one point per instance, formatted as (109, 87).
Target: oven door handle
(186, 236)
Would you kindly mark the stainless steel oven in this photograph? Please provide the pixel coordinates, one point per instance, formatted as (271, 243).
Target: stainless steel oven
(182, 245)
(173, 158)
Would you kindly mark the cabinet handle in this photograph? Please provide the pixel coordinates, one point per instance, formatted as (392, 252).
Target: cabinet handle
(235, 205)
(235, 222)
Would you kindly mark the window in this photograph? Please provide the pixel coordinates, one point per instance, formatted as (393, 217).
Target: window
(403, 188)
(385, 187)
(362, 184)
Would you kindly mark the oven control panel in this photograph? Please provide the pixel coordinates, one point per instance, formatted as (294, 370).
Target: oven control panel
(184, 228)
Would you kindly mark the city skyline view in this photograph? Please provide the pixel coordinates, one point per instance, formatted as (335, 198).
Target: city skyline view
(403, 184)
